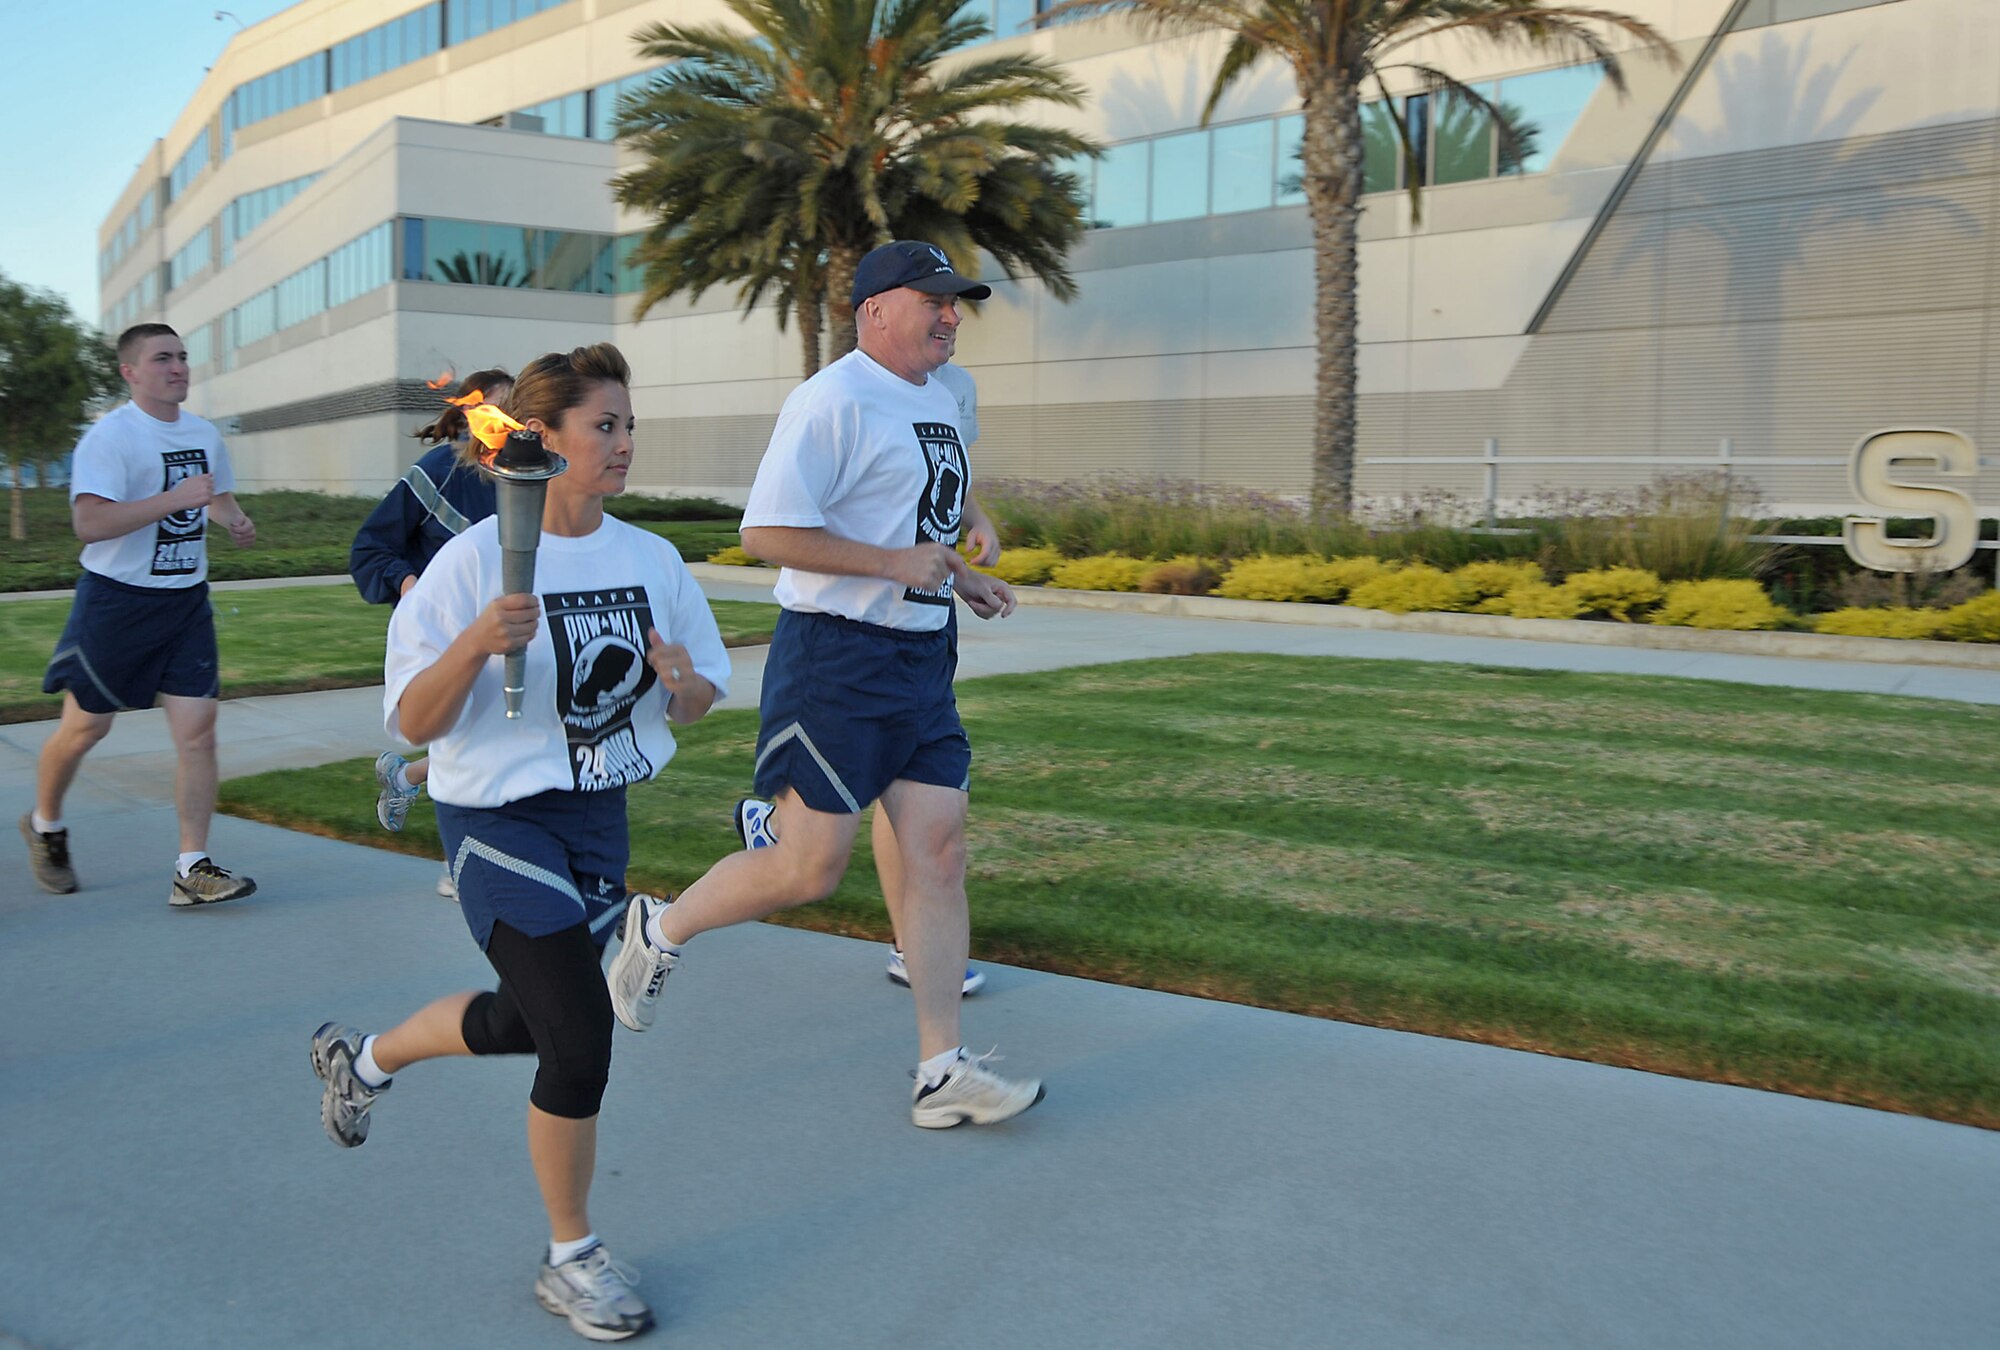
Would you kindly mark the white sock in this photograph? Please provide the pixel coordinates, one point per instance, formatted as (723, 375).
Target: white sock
(654, 934)
(367, 1070)
(560, 1252)
(44, 826)
(188, 860)
(933, 1070)
(402, 780)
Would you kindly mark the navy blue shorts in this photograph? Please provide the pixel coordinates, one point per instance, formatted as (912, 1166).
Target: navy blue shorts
(849, 708)
(124, 646)
(542, 864)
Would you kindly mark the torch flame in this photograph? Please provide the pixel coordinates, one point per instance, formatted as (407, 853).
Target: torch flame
(444, 379)
(489, 426)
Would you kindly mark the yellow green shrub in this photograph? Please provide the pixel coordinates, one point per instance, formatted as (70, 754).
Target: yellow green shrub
(1418, 587)
(1184, 575)
(1490, 580)
(1977, 620)
(1888, 621)
(1615, 591)
(1024, 566)
(1344, 574)
(1718, 603)
(1104, 572)
(734, 556)
(1297, 576)
(1536, 600)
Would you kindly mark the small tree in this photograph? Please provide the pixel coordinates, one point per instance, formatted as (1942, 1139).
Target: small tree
(779, 151)
(52, 369)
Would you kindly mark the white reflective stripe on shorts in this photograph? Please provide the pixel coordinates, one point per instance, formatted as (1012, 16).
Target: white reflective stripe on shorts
(117, 704)
(611, 915)
(795, 732)
(427, 492)
(477, 849)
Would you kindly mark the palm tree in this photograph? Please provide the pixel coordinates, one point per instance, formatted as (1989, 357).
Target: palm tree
(782, 148)
(1336, 48)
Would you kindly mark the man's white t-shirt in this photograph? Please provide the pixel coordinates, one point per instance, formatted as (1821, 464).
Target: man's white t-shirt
(130, 454)
(959, 381)
(594, 715)
(865, 455)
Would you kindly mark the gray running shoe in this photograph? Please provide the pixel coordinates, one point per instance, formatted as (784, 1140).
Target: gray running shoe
(48, 857)
(972, 1092)
(595, 1294)
(640, 969)
(207, 884)
(343, 1107)
(392, 804)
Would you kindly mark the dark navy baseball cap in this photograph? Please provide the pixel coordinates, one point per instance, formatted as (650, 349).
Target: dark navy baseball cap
(922, 267)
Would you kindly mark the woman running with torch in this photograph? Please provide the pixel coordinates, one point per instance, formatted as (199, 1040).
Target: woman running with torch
(535, 732)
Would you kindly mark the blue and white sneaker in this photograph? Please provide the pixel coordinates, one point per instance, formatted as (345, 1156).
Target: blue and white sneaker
(392, 805)
(753, 823)
(975, 980)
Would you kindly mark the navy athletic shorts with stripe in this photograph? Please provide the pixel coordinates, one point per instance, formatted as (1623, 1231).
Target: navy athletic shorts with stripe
(848, 708)
(125, 645)
(541, 864)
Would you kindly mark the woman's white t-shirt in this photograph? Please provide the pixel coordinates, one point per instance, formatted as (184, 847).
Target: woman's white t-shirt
(128, 454)
(865, 455)
(594, 715)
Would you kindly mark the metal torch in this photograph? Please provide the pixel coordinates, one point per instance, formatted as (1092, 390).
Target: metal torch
(521, 473)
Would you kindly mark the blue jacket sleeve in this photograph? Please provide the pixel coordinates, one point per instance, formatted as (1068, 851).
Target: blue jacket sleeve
(384, 549)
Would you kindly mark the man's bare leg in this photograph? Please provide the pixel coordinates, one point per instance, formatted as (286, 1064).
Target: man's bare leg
(928, 824)
(192, 723)
(889, 870)
(62, 753)
(804, 865)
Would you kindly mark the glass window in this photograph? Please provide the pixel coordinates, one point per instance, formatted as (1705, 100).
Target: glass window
(1462, 139)
(453, 249)
(573, 261)
(1121, 186)
(631, 274)
(1243, 171)
(413, 249)
(1417, 122)
(1291, 160)
(1180, 176)
(1381, 150)
(1541, 109)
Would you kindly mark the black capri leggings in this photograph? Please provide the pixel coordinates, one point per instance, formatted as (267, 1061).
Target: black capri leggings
(553, 1001)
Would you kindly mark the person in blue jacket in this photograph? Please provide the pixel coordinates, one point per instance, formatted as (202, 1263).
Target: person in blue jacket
(443, 493)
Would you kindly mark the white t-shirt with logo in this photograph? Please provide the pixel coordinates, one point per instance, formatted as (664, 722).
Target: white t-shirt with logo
(865, 455)
(959, 381)
(129, 455)
(594, 715)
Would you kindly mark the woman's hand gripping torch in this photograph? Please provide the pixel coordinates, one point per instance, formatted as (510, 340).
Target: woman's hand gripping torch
(521, 467)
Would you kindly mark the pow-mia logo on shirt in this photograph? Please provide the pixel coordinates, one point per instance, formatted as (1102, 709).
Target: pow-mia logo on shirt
(177, 540)
(943, 502)
(601, 673)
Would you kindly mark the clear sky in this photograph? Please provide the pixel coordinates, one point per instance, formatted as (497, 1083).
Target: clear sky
(92, 84)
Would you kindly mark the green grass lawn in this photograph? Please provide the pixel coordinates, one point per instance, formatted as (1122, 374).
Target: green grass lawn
(280, 641)
(1780, 888)
(308, 534)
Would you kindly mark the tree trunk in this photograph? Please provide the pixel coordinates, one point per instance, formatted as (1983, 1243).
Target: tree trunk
(1333, 165)
(841, 260)
(17, 527)
(810, 323)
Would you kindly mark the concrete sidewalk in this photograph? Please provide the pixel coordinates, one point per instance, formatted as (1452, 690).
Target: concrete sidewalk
(1202, 1175)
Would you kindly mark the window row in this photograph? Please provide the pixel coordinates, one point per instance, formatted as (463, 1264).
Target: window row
(142, 297)
(386, 47)
(188, 167)
(268, 95)
(252, 209)
(138, 220)
(353, 269)
(586, 115)
(468, 19)
(194, 258)
(473, 253)
(1249, 166)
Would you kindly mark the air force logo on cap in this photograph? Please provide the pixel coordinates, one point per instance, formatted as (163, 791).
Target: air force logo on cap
(912, 263)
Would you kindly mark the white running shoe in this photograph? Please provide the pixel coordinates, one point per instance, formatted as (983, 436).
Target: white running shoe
(392, 804)
(346, 1100)
(446, 887)
(899, 973)
(972, 1092)
(595, 1293)
(753, 822)
(640, 969)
